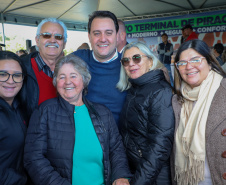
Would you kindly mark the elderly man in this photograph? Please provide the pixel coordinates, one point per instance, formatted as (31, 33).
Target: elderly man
(104, 61)
(121, 36)
(51, 38)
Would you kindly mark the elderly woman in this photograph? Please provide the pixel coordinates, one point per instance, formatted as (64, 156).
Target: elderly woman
(12, 120)
(147, 119)
(199, 152)
(71, 140)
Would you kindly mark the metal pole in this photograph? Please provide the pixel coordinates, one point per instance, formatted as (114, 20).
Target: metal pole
(3, 30)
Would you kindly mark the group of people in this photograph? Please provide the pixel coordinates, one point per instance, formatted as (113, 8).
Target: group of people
(104, 117)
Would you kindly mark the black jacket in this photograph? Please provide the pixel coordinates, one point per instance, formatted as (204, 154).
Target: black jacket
(29, 94)
(50, 143)
(147, 128)
(12, 136)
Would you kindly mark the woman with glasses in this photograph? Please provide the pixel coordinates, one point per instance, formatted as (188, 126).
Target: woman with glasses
(199, 152)
(147, 119)
(12, 120)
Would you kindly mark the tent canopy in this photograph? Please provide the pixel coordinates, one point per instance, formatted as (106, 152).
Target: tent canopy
(74, 13)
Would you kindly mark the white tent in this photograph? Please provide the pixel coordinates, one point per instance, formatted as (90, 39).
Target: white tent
(75, 12)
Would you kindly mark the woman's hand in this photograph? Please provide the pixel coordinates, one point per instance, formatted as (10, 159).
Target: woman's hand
(121, 181)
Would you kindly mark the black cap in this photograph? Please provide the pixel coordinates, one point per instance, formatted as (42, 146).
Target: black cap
(187, 26)
(3, 45)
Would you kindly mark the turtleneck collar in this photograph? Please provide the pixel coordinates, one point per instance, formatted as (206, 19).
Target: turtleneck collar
(149, 77)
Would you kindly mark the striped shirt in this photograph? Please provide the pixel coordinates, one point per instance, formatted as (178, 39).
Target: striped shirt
(43, 66)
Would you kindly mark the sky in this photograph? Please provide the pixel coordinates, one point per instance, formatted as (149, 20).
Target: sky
(22, 33)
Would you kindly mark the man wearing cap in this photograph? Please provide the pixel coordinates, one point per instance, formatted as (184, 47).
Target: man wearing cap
(189, 33)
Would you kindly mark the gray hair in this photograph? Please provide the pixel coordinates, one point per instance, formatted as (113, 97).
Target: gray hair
(124, 83)
(52, 20)
(79, 65)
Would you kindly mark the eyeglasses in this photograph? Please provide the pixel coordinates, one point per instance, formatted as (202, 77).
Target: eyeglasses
(49, 35)
(136, 59)
(17, 77)
(194, 62)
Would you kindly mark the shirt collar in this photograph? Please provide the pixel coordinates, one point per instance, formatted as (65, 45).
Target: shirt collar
(110, 60)
(40, 62)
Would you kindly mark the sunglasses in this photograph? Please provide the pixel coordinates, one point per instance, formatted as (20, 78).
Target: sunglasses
(136, 59)
(49, 35)
(194, 62)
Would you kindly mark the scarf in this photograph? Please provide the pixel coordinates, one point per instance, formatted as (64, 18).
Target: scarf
(190, 135)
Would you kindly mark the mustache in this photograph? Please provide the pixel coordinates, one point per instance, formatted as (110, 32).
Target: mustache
(52, 44)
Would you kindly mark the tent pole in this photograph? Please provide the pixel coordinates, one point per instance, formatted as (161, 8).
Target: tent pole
(3, 30)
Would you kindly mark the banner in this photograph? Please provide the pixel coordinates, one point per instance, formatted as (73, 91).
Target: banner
(210, 27)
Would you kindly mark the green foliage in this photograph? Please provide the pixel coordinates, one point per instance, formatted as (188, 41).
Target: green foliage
(66, 52)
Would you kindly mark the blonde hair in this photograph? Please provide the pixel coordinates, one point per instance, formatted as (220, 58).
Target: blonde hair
(124, 83)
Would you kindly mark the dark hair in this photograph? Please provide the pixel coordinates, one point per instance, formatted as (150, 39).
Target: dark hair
(8, 55)
(164, 34)
(219, 48)
(202, 48)
(103, 14)
(187, 26)
(32, 49)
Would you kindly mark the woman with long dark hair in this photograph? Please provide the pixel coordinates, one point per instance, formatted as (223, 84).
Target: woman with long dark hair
(12, 120)
(199, 153)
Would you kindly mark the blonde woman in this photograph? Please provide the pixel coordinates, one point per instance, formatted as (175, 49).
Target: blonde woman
(147, 119)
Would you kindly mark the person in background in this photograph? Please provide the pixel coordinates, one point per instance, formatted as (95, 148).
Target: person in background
(147, 118)
(121, 36)
(217, 51)
(71, 140)
(189, 34)
(32, 49)
(51, 38)
(1, 45)
(103, 61)
(84, 46)
(165, 51)
(12, 120)
(199, 106)
(183, 37)
(224, 56)
(21, 53)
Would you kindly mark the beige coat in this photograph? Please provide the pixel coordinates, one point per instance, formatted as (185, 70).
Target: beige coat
(215, 135)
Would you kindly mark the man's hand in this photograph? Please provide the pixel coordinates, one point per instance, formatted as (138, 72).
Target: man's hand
(121, 181)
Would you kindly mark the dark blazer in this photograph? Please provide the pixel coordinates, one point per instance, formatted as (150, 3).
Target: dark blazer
(215, 135)
(147, 127)
(50, 141)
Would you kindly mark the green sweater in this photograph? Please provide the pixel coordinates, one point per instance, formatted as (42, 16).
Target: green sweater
(88, 165)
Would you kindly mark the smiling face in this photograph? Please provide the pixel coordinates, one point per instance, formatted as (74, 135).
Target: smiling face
(55, 47)
(134, 70)
(194, 76)
(69, 84)
(9, 89)
(103, 38)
